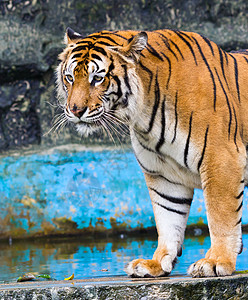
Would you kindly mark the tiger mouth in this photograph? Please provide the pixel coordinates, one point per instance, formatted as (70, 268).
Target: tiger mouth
(91, 123)
(91, 120)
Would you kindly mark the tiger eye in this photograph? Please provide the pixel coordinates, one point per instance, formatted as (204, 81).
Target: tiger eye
(97, 78)
(69, 78)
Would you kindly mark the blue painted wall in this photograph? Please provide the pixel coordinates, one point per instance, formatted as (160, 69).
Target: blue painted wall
(75, 190)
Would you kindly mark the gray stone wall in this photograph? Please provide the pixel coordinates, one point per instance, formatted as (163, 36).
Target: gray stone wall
(31, 35)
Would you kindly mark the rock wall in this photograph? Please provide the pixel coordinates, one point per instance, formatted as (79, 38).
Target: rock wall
(31, 34)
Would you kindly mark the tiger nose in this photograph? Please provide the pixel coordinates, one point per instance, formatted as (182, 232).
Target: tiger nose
(78, 112)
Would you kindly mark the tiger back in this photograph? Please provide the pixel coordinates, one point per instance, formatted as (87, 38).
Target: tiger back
(185, 101)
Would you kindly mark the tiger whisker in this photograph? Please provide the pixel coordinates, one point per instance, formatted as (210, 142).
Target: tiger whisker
(114, 130)
(103, 123)
(118, 120)
(59, 121)
(59, 124)
(113, 124)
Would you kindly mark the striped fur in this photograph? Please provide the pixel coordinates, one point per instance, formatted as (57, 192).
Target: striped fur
(185, 102)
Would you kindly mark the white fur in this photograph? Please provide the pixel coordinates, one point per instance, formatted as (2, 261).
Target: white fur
(93, 70)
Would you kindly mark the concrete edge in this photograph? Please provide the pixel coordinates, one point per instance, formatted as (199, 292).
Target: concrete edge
(121, 287)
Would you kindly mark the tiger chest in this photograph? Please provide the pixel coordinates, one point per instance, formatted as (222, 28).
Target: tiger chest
(168, 162)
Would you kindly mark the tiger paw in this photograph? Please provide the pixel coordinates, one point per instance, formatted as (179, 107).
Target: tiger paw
(148, 268)
(211, 268)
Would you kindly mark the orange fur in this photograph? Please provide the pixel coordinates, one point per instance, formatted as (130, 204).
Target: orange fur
(203, 93)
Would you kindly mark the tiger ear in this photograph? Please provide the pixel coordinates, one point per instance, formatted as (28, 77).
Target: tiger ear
(133, 47)
(71, 36)
(136, 45)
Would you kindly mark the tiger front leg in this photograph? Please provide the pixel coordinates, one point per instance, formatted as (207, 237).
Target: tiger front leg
(223, 183)
(171, 204)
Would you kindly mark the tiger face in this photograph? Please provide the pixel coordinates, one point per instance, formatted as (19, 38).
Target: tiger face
(98, 82)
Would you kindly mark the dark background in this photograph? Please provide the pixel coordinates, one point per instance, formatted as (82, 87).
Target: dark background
(31, 36)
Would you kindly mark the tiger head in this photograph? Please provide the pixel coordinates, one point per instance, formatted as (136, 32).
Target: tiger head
(97, 79)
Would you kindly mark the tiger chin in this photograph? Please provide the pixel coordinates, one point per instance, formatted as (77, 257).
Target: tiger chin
(186, 104)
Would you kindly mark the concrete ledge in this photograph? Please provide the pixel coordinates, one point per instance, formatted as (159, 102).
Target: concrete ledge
(232, 287)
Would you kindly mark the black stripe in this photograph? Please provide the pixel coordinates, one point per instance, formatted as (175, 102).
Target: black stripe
(239, 221)
(166, 42)
(209, 43)
(171, 199)
(153, 172)
(203, 150)
(170, 209)
(209, 69)
(143, 167)
(145, 147)
(103, 43)
(176, 121)
(188, 45)
(100, 49)
(240, 206)
(154, 52)
(91, 38)
(246, 59)
(186, 150)
(228, 104)
(185, 34)
(95, 56)
(111, 67)
(126, 79)
(116, 34)
(95, 109)
(97, 68)
(226, 56)
(240, 195)
(129, 91)
(236, 75)
(76, 55)
(150, 73)
(79, 48)
(161, 139)
(169, 76)
(222, 65)
(168, 180)
(119, 92)
(180, 52)
(156, 104)
(101, 36)
(83, 42)
(169, 48)
(236, 128)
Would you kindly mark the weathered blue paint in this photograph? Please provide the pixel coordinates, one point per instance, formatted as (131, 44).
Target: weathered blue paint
(79, 189)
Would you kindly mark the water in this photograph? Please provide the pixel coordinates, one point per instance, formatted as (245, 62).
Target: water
(93, 257)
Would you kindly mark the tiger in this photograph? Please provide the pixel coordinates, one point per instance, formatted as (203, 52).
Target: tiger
(185, 102)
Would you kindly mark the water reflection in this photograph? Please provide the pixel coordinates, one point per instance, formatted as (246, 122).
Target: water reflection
(93, 257)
